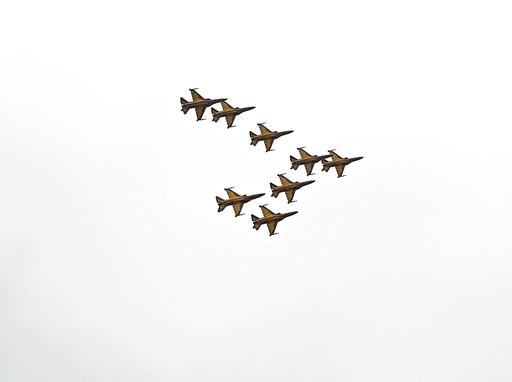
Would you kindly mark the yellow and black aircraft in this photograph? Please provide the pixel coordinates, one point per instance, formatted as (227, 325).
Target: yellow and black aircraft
(235, 200)
(199, 103)
(229, 113)
(266, 136)
(307, 160)
(288, 187)
(270, 219)
(338, 162)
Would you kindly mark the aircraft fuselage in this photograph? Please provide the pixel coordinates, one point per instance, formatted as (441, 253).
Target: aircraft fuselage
(202, 103)
(274, 218)
(240, 199)
(293, 186)
(312, 159)
(234, 111)
(272, 135)
(344, 161)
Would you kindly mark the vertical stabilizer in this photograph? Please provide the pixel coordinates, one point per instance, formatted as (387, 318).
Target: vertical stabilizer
(184, 107)
(273, 188)
(219, 201)
(215, 115)
(295, 166)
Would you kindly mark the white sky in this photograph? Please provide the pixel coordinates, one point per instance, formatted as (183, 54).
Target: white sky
(116, 266)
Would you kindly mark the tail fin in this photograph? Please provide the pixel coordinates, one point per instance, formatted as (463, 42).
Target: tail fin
(295, 166)
(253, 141)
(215, 116)
(273, 187)
(184, 108)
(326, 167)
(221, 206)
(256, 225)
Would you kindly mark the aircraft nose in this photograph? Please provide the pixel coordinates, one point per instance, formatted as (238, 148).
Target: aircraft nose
(358, 158)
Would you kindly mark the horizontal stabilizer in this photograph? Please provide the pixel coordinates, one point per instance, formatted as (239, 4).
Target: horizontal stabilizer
(275, 193)
(295, 166)
(221, 206)
(184, 107)
(215, 116)
(254, 142)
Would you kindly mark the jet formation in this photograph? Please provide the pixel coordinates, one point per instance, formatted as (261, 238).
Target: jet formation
(288, 187)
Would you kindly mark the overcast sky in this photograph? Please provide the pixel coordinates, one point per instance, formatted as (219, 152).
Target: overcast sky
(114, 262)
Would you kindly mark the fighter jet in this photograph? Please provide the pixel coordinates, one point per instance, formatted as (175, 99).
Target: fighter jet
(270, 219)
(199, 103)
(235, 200)
(266, 136)
(338, 162)
(229, 112)
(288, 187)
(307, 160)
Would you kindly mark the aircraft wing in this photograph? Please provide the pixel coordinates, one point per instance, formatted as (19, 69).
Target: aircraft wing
(238, 208)
(289, 195)
(309, 167)
(263, 129)
(199, 112)
(230, 119)
(284, 180)
(340, 169)
(303, 153)
(266, 212)
(195, 95)
(335, 156)
(272, 227)
(268, 143)
(232, 194)
(226, 106)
